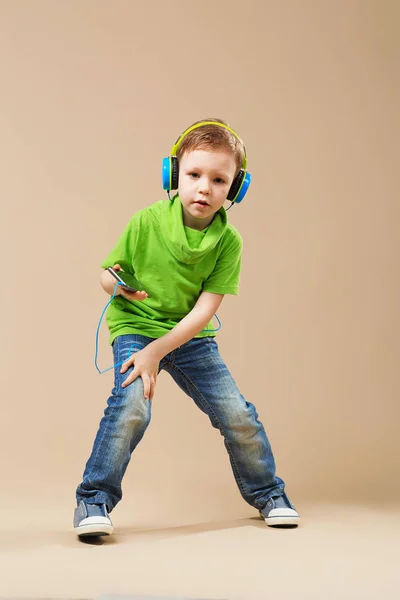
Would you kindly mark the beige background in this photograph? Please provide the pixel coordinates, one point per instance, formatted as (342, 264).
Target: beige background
(93, 95)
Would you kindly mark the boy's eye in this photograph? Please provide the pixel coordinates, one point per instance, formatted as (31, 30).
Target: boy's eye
(194, 175)
(219, 180)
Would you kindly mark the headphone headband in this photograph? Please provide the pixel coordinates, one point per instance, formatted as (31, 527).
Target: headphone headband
(170, 166)
(201, 124)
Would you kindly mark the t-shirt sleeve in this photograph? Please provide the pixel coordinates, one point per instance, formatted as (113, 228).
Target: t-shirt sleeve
(225, 277)
(124, 248)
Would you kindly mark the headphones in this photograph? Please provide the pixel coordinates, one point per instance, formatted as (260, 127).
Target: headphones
(170, 167)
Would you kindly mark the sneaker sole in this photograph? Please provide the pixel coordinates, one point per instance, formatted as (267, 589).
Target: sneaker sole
(282, 521)
(94, 526)
(282, 517)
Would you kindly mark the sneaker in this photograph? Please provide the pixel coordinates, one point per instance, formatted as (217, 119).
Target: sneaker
(280, 512)
(92, 519)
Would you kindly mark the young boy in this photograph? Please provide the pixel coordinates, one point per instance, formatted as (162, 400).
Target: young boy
(187, 257)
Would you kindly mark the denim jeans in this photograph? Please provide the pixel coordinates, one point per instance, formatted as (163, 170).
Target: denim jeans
(200, 372)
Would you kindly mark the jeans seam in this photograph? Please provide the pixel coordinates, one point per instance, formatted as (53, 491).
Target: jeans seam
(117, 382)
(117, 386)
(204, 402)
(118, 390)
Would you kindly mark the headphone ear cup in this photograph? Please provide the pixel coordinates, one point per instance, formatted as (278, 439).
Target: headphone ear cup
(235, 187)
(170, 173)
(239, 187)
(174, 173)
(166, 173)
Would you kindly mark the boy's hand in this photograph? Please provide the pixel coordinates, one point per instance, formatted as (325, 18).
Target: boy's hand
(146, 364)
(124, 292)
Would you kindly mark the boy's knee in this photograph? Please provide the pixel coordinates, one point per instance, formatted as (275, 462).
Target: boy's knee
(241, 421)
(136, 403)
(134, 409)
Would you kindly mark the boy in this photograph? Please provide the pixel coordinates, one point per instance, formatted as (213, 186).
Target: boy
(188, 257)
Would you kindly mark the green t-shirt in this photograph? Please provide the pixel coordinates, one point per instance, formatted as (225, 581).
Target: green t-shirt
(174, 264)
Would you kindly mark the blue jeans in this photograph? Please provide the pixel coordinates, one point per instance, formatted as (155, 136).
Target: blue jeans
(200, 372)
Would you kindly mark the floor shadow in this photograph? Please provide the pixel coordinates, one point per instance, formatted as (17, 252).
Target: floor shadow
(161, 531)
(14, 541)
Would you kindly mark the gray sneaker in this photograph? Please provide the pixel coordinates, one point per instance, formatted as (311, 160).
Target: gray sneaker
(92, 519)
(280, 512)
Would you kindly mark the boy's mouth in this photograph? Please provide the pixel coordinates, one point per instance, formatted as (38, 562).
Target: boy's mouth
(201, 202)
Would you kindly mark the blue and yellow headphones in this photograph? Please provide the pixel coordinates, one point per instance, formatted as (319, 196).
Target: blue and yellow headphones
(170, 166)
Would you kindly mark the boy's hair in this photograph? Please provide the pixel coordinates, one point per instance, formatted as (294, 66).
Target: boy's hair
(212, 137)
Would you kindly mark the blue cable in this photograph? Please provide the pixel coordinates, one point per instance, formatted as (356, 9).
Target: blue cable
(98, 329)
(134, 344)
(213, 330)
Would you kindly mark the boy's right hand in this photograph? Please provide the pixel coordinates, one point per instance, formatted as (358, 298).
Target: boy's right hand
(139, 295)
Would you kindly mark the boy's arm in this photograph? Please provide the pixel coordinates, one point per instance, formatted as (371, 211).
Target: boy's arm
(146, 361)
(194, 322)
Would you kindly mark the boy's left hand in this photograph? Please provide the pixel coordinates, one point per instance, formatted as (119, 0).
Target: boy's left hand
(145, 364)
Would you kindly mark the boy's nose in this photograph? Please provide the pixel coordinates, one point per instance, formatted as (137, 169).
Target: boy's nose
(204, 186)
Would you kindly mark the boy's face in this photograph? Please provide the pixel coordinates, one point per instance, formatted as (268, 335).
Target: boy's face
(204, 180)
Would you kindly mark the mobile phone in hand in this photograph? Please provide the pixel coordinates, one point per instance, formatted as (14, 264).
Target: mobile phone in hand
(129, 282)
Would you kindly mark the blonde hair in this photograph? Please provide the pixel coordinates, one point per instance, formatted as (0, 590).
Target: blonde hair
(212, 137)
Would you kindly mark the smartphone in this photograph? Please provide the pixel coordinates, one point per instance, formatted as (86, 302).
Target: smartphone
(130, 283)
